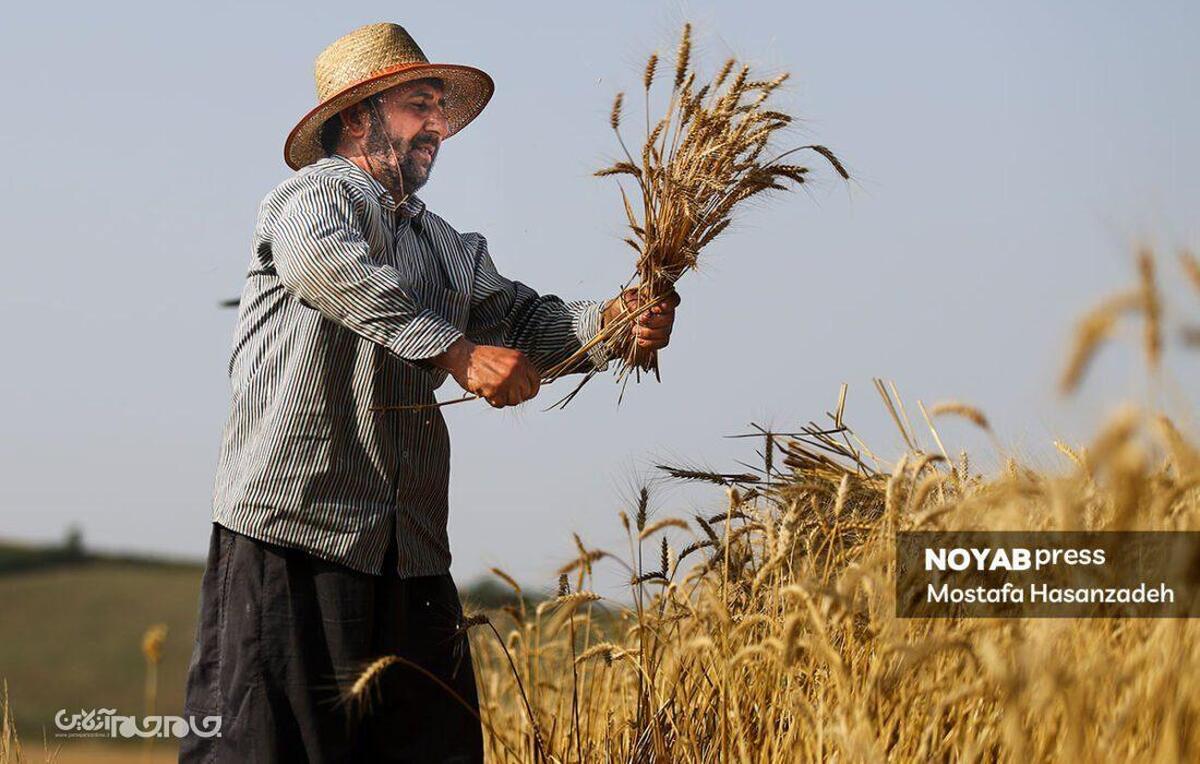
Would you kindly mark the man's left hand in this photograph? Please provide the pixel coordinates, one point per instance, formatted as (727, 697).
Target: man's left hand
(652, 329)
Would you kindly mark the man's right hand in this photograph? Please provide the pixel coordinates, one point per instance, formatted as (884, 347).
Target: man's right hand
(502, 376)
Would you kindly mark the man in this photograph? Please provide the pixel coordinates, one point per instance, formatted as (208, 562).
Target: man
(329, 546)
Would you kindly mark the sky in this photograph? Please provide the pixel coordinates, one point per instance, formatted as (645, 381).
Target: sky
(1007, 161)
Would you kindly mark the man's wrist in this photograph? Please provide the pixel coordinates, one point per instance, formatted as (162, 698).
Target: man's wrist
(456, 357)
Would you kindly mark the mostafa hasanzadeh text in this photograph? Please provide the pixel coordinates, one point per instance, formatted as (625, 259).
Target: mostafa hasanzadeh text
(984, 560)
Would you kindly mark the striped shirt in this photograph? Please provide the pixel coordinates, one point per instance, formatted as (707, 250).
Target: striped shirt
(347, 297)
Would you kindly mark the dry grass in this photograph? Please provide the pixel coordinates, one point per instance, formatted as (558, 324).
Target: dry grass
(782, 645)
(771, 635)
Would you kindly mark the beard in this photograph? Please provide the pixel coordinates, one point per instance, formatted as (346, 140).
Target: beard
(412, 173)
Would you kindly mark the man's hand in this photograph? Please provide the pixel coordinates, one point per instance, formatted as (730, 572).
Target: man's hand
(501, 376)
(652, 329)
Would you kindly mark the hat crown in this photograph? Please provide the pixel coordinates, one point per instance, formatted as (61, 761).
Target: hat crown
(362, 53)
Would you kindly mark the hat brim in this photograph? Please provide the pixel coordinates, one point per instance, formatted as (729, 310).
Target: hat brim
(467, 91)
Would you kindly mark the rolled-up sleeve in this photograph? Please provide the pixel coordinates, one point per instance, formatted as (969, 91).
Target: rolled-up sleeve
(322, 257)
(544, 327)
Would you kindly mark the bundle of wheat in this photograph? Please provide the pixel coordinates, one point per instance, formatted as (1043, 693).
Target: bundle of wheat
(698, 163)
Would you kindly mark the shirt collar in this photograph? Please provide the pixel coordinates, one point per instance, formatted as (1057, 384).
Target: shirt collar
(412, 208)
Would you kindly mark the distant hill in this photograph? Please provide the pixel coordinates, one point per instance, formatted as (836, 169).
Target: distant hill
(18, 556)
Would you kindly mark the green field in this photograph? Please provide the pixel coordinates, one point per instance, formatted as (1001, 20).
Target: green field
(70, 637)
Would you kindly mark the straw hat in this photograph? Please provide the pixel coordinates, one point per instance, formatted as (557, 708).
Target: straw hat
(371, 59)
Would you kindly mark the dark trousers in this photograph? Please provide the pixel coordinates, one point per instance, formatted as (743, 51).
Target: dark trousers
(282, 639)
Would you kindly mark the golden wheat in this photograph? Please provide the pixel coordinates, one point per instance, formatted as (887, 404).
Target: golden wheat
(777, 639)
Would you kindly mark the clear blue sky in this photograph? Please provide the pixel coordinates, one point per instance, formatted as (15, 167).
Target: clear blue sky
(1008, 156)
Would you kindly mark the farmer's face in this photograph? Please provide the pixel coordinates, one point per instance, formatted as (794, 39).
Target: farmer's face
(413, 117)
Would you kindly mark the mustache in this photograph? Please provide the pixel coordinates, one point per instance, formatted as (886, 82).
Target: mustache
(419, 143)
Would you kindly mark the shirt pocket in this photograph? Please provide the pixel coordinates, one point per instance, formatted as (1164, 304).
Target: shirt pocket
(304, 448)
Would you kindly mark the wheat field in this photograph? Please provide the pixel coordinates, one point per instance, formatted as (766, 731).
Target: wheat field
(770, 635)
(782, 645)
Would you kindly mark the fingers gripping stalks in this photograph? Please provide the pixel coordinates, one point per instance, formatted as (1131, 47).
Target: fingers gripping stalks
(501, 376)
(637, 329)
